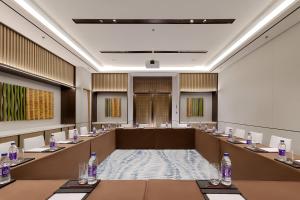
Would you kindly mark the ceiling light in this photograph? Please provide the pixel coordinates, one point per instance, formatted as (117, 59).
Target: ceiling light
(100, 20)
(204, 20)
(268, 18)
(191, 21)
(57, 31)
(143, 69)
(114, 20)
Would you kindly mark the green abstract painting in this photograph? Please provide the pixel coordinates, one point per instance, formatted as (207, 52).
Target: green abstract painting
(194, 107)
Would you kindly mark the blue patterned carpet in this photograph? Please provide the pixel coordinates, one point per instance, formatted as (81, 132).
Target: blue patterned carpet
(154, 164)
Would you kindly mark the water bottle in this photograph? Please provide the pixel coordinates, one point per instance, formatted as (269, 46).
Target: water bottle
(249, 140)
(94, 131)
(75, 136)
(52, 143)
(281, 151)
(4, 169)
(13, 153)
(226, 170)
(205, 127)
(92, 169)
(214, 129)
(230, 134)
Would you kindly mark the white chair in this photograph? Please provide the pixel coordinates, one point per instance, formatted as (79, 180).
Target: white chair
(34, 142)
(71, 133)
(5, 146)
(164, 125)
(83, 130)
(275, 140)
(227, 130)
(144, 125)
(60, 136)
(182, 125)
(257, 138)
(126, 125)
(240, 133)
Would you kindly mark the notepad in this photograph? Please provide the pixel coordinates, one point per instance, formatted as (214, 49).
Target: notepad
(64, 196)
(41, 149)
(219, 132)
(270, 149)
(224, 135)
(85, 135)
(225, 197)
(64, 142)
(297, 161)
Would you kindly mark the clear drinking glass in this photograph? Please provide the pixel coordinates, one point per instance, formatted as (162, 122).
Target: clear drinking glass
(290, 157)
(82, 176)
(215, 174)
(20, 154)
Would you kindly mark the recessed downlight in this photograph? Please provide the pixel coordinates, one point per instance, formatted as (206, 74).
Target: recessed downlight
(191, 21)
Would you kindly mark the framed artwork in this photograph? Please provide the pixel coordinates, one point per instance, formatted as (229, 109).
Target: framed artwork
(113, 107)
(21, 103)
(194, 107)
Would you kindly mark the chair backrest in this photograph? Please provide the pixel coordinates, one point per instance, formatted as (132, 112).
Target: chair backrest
(275, 140)
(71, 133)
(240, 133)
(83, 130)
(34, 142)
(227, 130)
(182, 125)
(5, 146)
(144, 125)
(60, 136)
(256, 137)
(126, 125)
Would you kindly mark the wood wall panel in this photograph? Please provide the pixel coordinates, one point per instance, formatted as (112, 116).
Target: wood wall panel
(20, 53)
(143, 108)
(152, 84)
(198, 82)
(68, 105)
(110, 82)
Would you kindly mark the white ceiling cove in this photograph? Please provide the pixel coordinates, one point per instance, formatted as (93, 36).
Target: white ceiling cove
(138, 37)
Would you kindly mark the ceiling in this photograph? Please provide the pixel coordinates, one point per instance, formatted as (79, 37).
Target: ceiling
(143, 37)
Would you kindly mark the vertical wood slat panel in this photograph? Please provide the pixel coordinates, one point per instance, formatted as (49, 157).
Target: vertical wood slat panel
(110, 82)
(198, 82)
(1, 43)
(21, 53)
(152, 85)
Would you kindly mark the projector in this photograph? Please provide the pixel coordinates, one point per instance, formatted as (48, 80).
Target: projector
(152, 64)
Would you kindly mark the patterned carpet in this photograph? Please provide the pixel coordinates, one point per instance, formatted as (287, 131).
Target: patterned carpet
(154, 164)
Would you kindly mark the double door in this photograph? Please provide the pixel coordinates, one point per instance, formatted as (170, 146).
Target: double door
(152, 109)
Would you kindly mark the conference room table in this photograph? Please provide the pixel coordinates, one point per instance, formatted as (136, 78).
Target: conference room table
(63, 164)
(155, 138)
(246, 164)
(150, 190)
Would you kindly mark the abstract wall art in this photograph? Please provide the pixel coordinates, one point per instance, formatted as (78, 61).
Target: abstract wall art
(194, 107)
(113, 107)
(21, 103)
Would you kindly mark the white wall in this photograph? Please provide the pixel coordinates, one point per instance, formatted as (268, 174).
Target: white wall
(175, 100)
(260, 92)
(17, 125)
(207, 105)
(83, 84)
(101, 108)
